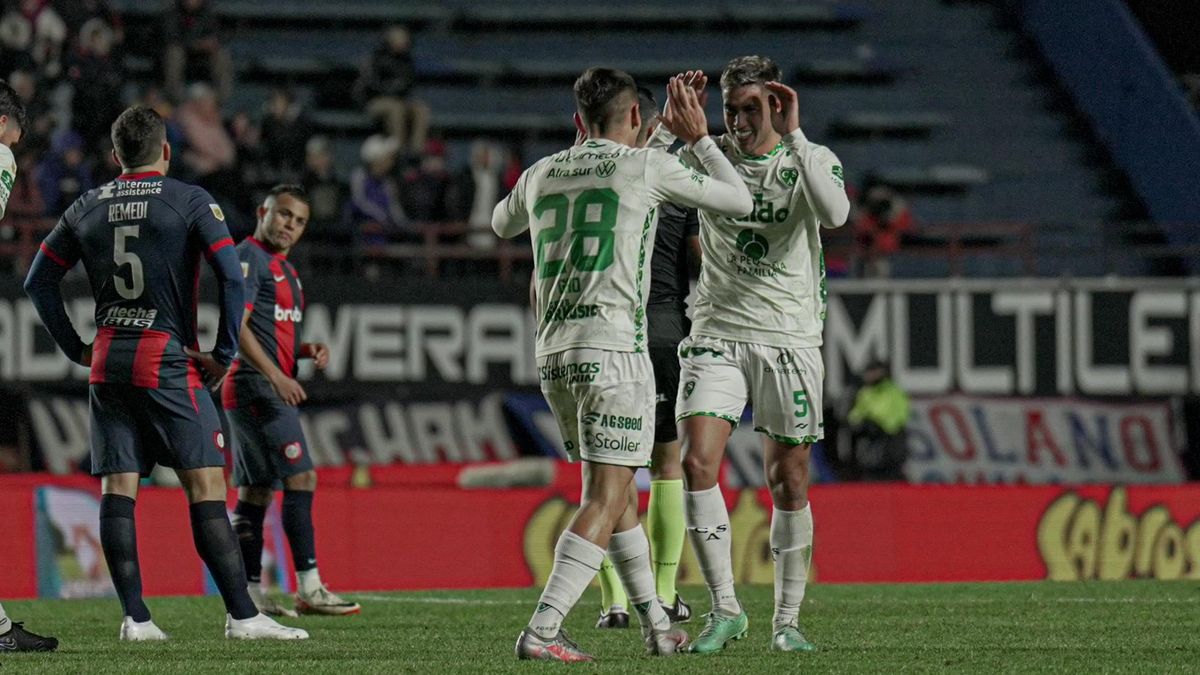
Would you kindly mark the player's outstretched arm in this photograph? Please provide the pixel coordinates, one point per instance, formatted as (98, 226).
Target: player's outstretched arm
(722, 191)
(228, 270)
(58, 254)
(510, 216)
(821, 172)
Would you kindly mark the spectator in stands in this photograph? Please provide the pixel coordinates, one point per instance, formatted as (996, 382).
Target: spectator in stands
(426, 188)
(38, 113)
(190, 32)
(881, 218)
(77, 13)
(210, 149)
(152, 97)
(285, 131)
(376, 209)
(252, 166)
(64, 173)
(878, 422)
(96, 78)
(326, 193)
(480, 188)
(385, 86)
(33, 35)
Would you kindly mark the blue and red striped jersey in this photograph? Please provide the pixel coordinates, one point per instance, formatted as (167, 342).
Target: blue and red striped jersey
(141, 238)
(275, 299)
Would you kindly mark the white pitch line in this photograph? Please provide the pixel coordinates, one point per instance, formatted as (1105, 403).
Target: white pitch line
(435, 601)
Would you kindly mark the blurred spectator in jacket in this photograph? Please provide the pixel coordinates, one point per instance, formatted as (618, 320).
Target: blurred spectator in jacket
(426, 188)
(190, 33)
(878, 422)
(327, 193)
(375, 207)
(285, 131)
(39, 116)
(33, 37)
(480, 187)
(97, 79)
(385, 87)
(77, 13)
(153, 97)
(881, 219)
(65, 173)
(210, 149)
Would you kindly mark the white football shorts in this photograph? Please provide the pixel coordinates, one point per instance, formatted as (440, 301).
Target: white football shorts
(782, 385)
(603, 402)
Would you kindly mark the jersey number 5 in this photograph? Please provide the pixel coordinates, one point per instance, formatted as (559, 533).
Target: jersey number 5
(592, 216)
(127, 290)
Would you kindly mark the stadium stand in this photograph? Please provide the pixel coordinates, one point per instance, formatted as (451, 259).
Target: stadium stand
(893, 90)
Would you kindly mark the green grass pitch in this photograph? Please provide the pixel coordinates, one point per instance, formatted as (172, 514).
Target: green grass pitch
(1143, 626)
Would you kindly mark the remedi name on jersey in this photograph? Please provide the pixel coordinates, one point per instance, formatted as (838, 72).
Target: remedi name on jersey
(128, 211)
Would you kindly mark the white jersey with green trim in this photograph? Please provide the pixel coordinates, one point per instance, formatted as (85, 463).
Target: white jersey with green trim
(763, 276)
(591, 212)
(8, 176)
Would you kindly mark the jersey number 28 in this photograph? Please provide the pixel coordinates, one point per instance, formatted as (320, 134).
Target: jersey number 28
(592, 216)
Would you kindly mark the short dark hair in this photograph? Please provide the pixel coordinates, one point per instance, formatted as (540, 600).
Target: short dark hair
(11, 105)
(291, 189)
(745, 70)
(648, 104)
(137, 136)
(600, 91)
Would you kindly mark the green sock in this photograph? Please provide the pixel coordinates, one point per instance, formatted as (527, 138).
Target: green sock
(612, 593)
(664, 524)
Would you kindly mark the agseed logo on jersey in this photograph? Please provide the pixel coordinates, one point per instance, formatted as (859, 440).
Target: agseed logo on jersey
(764, 212)
(788, 175)
(574, 373)
(612, 421)
(294, 314)
(606, 168)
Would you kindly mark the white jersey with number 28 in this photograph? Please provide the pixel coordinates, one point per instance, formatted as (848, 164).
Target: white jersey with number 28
(591, 214)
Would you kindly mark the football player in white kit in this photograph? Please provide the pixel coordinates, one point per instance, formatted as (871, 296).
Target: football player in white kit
(756, 338)
(590, 210)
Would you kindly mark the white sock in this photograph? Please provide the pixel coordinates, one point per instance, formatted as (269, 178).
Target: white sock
(708, 527)
(5, 624)
(308, 581)
(629, 552)
(791, 547)
(576, 562)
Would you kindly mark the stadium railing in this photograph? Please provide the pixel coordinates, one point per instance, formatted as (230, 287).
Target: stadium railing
(1018, 249)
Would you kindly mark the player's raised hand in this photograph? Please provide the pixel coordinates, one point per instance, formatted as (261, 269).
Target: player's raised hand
(290, 391)
(684, 116)
(785, 108)
(698, 81)
(214, 373)
(320, 354)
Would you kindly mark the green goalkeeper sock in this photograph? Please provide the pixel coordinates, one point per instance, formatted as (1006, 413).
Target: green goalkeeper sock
(664, 523)
(612, 593)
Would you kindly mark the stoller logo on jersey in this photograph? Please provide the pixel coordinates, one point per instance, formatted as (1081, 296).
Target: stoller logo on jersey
(295, 315)
(600, 440)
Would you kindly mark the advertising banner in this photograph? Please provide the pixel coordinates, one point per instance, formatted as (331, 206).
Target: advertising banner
(965, 439)
(393, 537)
